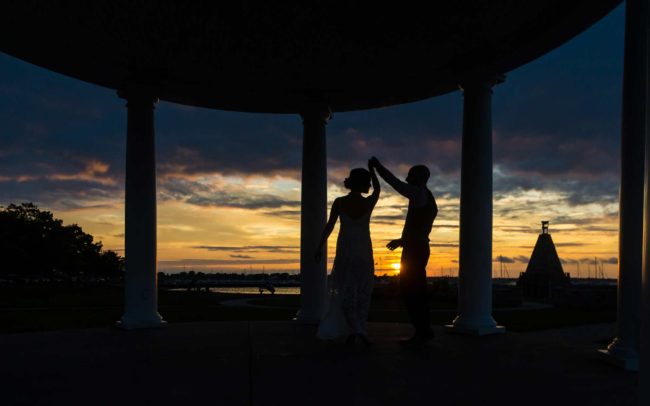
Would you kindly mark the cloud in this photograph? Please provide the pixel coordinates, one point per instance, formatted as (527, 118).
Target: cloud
(94, 172)
(290, 214)
(391, 218)
(240, 256)
(514, 229)
(250, 248)
(601, 229)
(504, 259)
(242, 202)
(216, 192)
(591, 260)
(611, 260)
(570, 244)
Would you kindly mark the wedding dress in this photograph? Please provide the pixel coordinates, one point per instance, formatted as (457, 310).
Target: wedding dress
(351, 280)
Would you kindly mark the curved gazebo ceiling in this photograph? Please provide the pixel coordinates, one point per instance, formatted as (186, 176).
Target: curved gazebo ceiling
(273, 57)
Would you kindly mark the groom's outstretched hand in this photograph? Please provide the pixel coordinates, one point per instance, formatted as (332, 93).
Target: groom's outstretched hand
(373, 162)
(394, 244)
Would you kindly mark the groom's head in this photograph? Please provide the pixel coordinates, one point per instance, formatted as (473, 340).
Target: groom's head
(418, 175)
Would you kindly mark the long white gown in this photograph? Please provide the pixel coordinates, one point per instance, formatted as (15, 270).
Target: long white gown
(351, 281)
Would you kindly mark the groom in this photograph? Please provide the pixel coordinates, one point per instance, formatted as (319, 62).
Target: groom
(422, 210)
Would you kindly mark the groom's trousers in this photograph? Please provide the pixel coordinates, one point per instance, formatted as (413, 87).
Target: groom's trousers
(413, 284)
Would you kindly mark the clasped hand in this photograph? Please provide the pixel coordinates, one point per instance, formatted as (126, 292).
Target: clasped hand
(394, 244)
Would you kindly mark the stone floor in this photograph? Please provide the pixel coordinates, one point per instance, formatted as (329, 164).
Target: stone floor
(280, 363)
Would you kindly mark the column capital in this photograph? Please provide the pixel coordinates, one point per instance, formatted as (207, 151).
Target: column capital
(140, 94)
(478, 79)
(315, 111)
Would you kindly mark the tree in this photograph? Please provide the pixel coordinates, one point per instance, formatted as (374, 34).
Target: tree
(33, 243)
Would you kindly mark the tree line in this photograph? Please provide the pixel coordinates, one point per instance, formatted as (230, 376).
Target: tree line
(35, 244)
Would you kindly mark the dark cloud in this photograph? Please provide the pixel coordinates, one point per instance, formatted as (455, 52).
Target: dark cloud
(287, 214)
(391, 218)
(242, 202)
(61, 195)
(601, 229)
(521, 258)
(584, 223)
(592, 260)
(511, 260)
(200, 194)
(511, 229)
(250, 248)
(240, 256)
(570, 244)
(504, 259)
(446, 225)
(199, 141)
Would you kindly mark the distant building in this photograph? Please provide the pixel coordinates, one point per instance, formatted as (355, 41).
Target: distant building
(544, 271)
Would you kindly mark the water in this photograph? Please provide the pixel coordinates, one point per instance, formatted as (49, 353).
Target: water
(252, 290)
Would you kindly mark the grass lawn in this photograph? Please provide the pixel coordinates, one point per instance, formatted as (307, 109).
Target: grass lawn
(48, 308)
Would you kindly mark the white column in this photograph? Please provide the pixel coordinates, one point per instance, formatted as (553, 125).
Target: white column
(140, 278)
(624, 350)
(644, 370)
(475, 248)
(644, 364)
(313, 275)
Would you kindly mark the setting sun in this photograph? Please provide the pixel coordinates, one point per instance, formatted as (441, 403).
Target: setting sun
(396, 266)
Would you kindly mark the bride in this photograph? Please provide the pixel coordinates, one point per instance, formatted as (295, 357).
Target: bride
(352, 276)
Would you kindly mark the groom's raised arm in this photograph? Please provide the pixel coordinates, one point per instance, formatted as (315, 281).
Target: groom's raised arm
(403, 188)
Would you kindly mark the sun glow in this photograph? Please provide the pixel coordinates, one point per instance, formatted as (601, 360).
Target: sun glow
(396, 266)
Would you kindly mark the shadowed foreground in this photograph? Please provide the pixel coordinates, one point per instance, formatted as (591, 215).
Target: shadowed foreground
(268, 363)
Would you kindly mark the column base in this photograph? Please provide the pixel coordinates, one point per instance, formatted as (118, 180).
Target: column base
(475, 326)
(474, 331)
(127, 323)
(625, 362)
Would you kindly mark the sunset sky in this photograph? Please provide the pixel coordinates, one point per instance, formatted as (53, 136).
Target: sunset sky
(229, 183)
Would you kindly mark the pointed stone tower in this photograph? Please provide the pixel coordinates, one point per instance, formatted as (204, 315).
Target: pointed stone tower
(544, 271)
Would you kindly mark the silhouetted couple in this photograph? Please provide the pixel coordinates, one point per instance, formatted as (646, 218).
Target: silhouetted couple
(352, 276)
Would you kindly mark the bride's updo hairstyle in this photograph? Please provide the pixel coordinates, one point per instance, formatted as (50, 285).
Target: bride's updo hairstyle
(359, 180)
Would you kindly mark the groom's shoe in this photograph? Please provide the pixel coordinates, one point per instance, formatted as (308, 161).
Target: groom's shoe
(364, 340)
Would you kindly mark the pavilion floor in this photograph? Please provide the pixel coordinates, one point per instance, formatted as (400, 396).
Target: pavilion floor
(270, 362)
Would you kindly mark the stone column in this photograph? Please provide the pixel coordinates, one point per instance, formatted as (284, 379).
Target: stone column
(313, 275)
(140, 278)
(624, 350)
(644, 371)
(475, 248)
